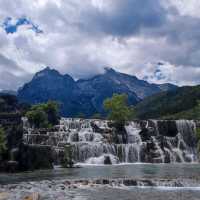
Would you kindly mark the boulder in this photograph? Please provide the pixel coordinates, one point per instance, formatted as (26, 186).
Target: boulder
(34, 157)
(167, 128)
(12, 166)
(67, 161)
(107, 160)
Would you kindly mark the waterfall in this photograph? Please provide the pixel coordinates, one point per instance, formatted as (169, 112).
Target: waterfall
(134, 142)
(158, 150)
(94, 141)
(186, 129)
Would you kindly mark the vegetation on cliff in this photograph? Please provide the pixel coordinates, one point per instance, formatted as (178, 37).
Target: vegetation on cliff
(11, 131)
(2, 141)
(10, 104)
(193, 113)
(43, 115)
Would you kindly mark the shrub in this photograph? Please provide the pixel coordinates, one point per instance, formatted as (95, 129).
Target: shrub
(43, 115)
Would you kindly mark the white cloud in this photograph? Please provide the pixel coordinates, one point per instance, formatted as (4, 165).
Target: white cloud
(169, 73)
(76, 40)
(187, 7)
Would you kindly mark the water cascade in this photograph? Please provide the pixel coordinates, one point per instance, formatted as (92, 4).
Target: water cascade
(94, 141)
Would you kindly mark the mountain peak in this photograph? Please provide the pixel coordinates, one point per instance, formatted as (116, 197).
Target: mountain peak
(109, 70)
(46, 72)
(47, 69)
(85, 96)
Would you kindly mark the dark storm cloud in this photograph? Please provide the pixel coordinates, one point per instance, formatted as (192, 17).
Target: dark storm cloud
(125, 18)
(7, 64)
(182, 36)
(9, 81)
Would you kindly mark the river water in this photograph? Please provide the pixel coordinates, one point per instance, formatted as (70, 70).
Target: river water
(153, 182)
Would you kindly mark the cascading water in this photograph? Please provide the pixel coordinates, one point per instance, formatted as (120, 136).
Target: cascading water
(186, 131)
(94, 141)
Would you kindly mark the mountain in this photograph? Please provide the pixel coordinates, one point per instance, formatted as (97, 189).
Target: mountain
(49, 84)
(167, 87)
(84, 96)
(123, 81)
(178, 103)
(105, 85)
(11, 92)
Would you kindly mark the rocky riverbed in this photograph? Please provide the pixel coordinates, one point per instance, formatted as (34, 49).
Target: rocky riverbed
(77, 189)
(129, 182)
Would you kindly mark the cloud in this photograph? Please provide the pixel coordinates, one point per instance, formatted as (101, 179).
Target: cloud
(6, 65)
(166, 72)
(124, 18)
(82, 37)
(11, 81)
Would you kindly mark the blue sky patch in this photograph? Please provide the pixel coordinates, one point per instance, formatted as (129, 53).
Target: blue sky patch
(11, 26)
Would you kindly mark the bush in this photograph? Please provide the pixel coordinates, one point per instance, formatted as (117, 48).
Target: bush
(37, 118)
(3, 147)
(43, 115)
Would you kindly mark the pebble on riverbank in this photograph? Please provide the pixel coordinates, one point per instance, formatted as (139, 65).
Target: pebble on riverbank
(34, 196)
(4, 195)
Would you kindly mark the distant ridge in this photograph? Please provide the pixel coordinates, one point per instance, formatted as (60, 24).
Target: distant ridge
(11, 92)
(179, 103)
(85, 96)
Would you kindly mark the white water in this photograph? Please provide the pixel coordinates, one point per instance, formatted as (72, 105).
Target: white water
(94, 145)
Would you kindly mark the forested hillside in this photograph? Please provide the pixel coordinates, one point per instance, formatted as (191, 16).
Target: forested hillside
(179, 103)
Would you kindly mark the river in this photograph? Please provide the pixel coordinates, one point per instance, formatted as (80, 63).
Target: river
(143, 181)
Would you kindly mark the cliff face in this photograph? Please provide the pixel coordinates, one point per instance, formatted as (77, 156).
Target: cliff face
(10, 121)
(99, 142)
(17, 156)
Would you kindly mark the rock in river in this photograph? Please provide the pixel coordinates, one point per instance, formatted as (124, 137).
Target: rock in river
(33, 196)
(4, 195)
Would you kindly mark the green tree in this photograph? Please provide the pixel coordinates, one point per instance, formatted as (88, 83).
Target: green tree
(2, 141)
(118, 109)
(37, 117)
(52, 110)
(44, 115)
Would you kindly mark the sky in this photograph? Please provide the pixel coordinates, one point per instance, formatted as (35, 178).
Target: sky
(155, 40)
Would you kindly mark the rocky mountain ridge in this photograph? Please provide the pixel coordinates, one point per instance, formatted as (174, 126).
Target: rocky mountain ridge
(85, 96)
